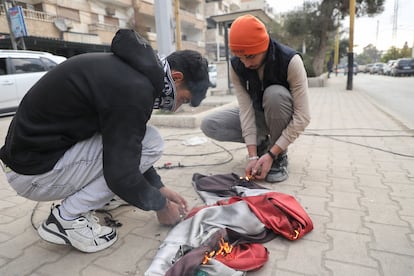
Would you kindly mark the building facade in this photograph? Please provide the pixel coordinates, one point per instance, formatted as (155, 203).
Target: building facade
(70, 27)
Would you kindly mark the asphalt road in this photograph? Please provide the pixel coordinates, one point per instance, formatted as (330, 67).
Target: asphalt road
(394, 94)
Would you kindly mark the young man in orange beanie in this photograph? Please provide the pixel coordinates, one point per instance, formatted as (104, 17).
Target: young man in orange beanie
(271, 86)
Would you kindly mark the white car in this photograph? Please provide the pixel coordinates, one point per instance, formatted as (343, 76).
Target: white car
(19, 71)
(212, 73)
(388, 66)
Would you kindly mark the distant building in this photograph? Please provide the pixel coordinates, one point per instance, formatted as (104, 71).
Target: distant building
(73, 27)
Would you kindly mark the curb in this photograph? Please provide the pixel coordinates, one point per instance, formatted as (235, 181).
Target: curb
(185, 121)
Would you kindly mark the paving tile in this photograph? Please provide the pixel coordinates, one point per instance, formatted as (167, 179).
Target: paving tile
(391, 239)
(350, 248)
(394, 264)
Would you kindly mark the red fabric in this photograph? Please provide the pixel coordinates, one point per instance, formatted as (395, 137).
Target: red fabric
(245, 257)
(279, 212)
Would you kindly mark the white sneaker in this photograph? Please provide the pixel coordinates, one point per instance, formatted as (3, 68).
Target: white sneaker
(83, 233)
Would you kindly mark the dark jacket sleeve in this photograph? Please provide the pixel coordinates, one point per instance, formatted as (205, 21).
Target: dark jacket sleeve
(123, 126)
(153, 178)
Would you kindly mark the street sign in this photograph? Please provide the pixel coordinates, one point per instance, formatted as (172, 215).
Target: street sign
(18, 26)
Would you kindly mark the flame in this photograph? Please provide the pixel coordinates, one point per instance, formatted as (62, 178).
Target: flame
(224, 248)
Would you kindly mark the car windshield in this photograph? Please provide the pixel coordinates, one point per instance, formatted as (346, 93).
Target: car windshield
(404, 61)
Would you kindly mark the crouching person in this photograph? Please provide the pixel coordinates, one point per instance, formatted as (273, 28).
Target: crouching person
(80, 135)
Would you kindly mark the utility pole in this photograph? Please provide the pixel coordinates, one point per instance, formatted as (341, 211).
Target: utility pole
(177, 24)
(395, 23)
(163, 26)
(351, 44)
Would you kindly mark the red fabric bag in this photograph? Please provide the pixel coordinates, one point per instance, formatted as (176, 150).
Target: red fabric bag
(245, 257)
(280, 212)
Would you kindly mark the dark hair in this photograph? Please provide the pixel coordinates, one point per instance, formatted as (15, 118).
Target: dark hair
(195, 70)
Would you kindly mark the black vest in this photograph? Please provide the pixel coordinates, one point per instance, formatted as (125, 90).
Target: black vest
(275, 72)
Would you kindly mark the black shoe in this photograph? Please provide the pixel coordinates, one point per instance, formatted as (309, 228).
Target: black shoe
(278, 172)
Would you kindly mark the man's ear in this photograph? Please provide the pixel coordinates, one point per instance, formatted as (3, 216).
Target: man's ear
(177, 76)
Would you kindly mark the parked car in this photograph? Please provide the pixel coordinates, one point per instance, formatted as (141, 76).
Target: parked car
(368, 67)
(388, 66)
(377, 68)
(212, 73)
(403, 66)
(354, 69)
(19, 71)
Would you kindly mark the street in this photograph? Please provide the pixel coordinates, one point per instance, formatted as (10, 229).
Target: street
(395, 95)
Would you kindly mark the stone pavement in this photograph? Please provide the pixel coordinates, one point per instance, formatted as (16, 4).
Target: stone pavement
(353, 171)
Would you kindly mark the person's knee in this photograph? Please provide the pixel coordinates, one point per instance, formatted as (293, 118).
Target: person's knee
(277, 96)
(209, 127)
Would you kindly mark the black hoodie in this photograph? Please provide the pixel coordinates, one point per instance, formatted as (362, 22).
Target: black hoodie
(107, 93)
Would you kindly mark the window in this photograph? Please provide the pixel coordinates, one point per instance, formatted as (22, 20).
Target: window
(3, 69)
(49, 64)
(68, 13)
(27, 65)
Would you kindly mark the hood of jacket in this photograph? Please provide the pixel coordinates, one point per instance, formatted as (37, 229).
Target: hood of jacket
(134, 50)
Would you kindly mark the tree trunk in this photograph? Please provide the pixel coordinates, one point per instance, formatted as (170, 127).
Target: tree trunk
(319, 59)
(326, 10)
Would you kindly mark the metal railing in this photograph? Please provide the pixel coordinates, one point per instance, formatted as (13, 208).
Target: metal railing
(39, 16)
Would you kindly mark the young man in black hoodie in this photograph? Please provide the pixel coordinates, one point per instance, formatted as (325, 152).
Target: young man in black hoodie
(81, 135)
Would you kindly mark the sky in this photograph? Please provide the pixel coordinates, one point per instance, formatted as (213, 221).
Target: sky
(377, 30)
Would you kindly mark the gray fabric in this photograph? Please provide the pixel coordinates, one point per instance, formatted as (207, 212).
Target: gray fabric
(210, 198)
(196, 230)
(224, 125)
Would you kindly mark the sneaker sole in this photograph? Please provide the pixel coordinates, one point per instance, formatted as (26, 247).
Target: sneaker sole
(57, 238)
(52, 236)
(274, 179)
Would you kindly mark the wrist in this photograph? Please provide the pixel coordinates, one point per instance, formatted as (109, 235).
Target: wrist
(271, 154)
(255, 157)
(165, 208)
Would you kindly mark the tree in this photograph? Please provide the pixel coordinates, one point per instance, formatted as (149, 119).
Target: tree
(318, 20)
(395, 53)
(405, 51)
(370, 54)
(392, 53)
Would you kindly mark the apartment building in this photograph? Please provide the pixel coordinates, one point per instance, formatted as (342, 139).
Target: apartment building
(70, 27)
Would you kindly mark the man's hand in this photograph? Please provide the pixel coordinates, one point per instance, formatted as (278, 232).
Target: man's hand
(250, 168)
(175, 208)
(170, 214)
(259, 168)
(176, 198)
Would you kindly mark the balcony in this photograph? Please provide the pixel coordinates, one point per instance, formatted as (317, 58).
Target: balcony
(119, 3)
(189, 19)
(39, 16)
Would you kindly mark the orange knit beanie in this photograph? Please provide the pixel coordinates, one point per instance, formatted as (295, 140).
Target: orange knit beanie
(248, 36)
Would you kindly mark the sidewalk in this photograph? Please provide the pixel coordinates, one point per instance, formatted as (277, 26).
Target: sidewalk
(360, 198)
